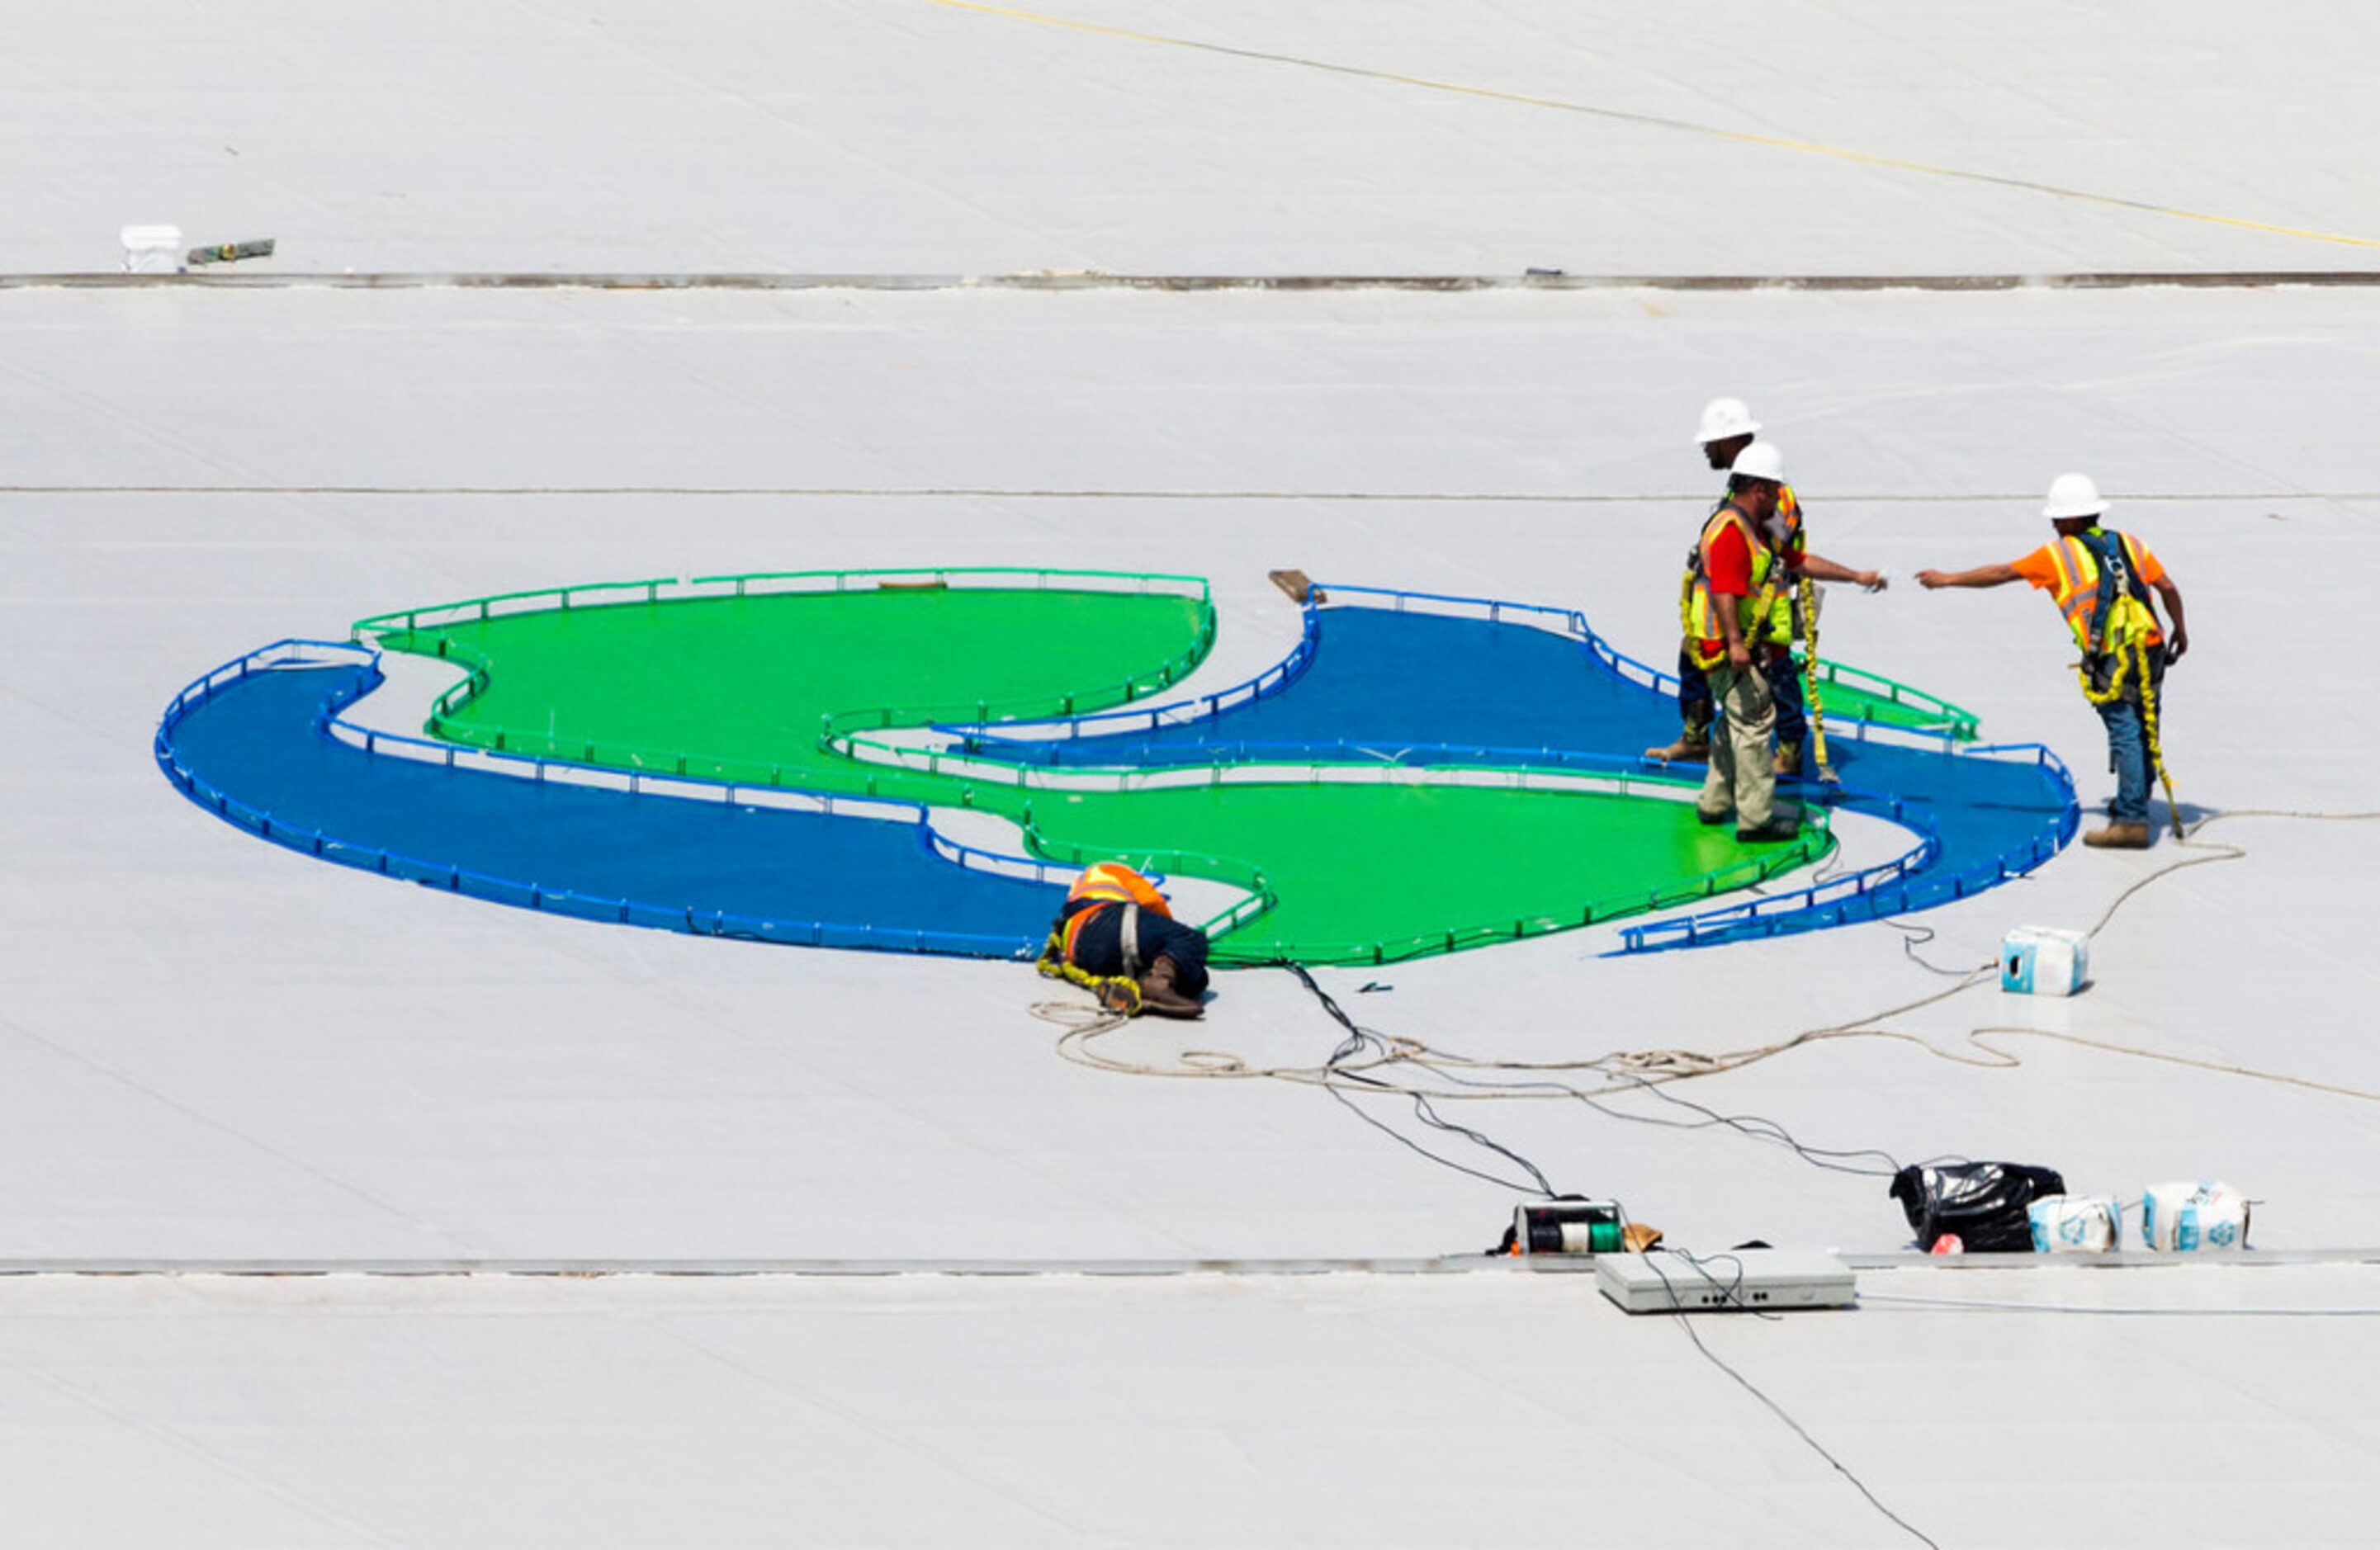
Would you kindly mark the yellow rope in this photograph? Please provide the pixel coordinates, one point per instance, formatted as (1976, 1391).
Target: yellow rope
(1743, 137)
(2132, 665)
(1626, 1071)
(1818, 701)
(1053, 965)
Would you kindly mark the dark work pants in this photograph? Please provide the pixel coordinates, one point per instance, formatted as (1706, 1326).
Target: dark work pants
(1099, 947)
(1694, 704)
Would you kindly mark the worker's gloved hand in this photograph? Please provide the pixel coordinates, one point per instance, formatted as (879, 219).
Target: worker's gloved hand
(1874, 581)
(2176, 647)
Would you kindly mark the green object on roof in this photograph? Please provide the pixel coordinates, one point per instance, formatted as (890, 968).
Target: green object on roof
(1373, 872)
(1848, 695)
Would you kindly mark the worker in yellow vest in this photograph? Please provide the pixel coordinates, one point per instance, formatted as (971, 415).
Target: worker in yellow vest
(1737, 579)
(1116, 937)
(2101, 583)
(1728, 427)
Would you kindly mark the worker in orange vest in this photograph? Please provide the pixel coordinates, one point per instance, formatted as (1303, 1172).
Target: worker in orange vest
(1117, 936)
(2101, 582)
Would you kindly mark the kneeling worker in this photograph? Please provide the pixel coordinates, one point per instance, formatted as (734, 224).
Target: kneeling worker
(2101, 582)
(1117, 937)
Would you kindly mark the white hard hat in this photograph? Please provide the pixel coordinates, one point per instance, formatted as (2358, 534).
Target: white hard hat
(1726, 417)
(1761, 460)
(2073, 495)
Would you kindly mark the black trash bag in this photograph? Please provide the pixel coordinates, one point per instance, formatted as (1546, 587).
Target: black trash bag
(1983, 1203)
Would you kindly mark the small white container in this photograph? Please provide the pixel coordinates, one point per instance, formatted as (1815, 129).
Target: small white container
(2075, 1224)
(153, 250)
(2189, 1216)
(2044, 961)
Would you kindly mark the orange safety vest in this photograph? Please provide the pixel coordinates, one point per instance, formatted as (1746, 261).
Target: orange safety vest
(2076, 593)
(1103, 885)
(1756, 615)
(1789, 518)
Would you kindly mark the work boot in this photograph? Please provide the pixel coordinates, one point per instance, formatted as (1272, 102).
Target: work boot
(1161, 992)
(1789, 760)
(2118, 837)
(1693, 747)
(1776, 832)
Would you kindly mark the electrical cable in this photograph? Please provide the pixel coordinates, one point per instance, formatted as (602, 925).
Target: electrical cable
(1650, 1071)
(1367, 1054)
(1752, 1125)
(1735, 1296)
(1913, 936)
(1357, 1040)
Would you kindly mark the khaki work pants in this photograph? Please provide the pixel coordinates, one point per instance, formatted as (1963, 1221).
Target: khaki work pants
(1742, 773)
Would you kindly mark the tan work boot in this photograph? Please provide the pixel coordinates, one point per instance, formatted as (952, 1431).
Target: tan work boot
(1161, 992)
(2118, 837)
(1789, 758)
(1693, 747)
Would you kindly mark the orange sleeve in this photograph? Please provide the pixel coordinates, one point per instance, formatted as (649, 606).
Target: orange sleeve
(2151, 573)
(2040, 568)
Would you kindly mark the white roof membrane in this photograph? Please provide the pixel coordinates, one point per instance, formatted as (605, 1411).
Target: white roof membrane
(213, 1050)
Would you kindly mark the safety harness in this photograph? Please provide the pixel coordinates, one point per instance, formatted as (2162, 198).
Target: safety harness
(1106, 885)
(2120, 605)
(1116, 992)
(1698, 610)
(1818, 705)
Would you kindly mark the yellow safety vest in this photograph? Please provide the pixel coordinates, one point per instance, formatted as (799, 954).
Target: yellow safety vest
(1763, 617)
(2128, 618)
(1782, 629)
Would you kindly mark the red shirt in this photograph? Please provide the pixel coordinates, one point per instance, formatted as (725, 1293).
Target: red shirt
(1727, 568)
(1730, 563)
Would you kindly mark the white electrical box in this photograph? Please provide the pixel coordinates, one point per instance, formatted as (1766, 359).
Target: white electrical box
(1739, 1281)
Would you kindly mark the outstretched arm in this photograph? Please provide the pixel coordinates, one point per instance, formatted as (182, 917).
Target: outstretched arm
(2170, 596)
(1819, 567)
(1981, 576)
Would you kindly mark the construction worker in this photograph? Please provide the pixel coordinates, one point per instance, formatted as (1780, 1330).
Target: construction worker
(1117, 937)
(1737, 576)
(1727, 429)
(2101, 582)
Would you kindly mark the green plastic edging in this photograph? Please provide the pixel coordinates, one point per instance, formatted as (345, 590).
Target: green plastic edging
(1852, 695)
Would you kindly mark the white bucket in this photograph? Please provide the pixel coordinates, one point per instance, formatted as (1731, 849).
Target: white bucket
(2187, 1217)
(2044, 961)
(2074, 1224)
(153, 250)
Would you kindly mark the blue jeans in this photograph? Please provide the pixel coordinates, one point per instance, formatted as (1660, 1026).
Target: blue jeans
(2128, 743)
(2128, 755)
(1694, 690)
